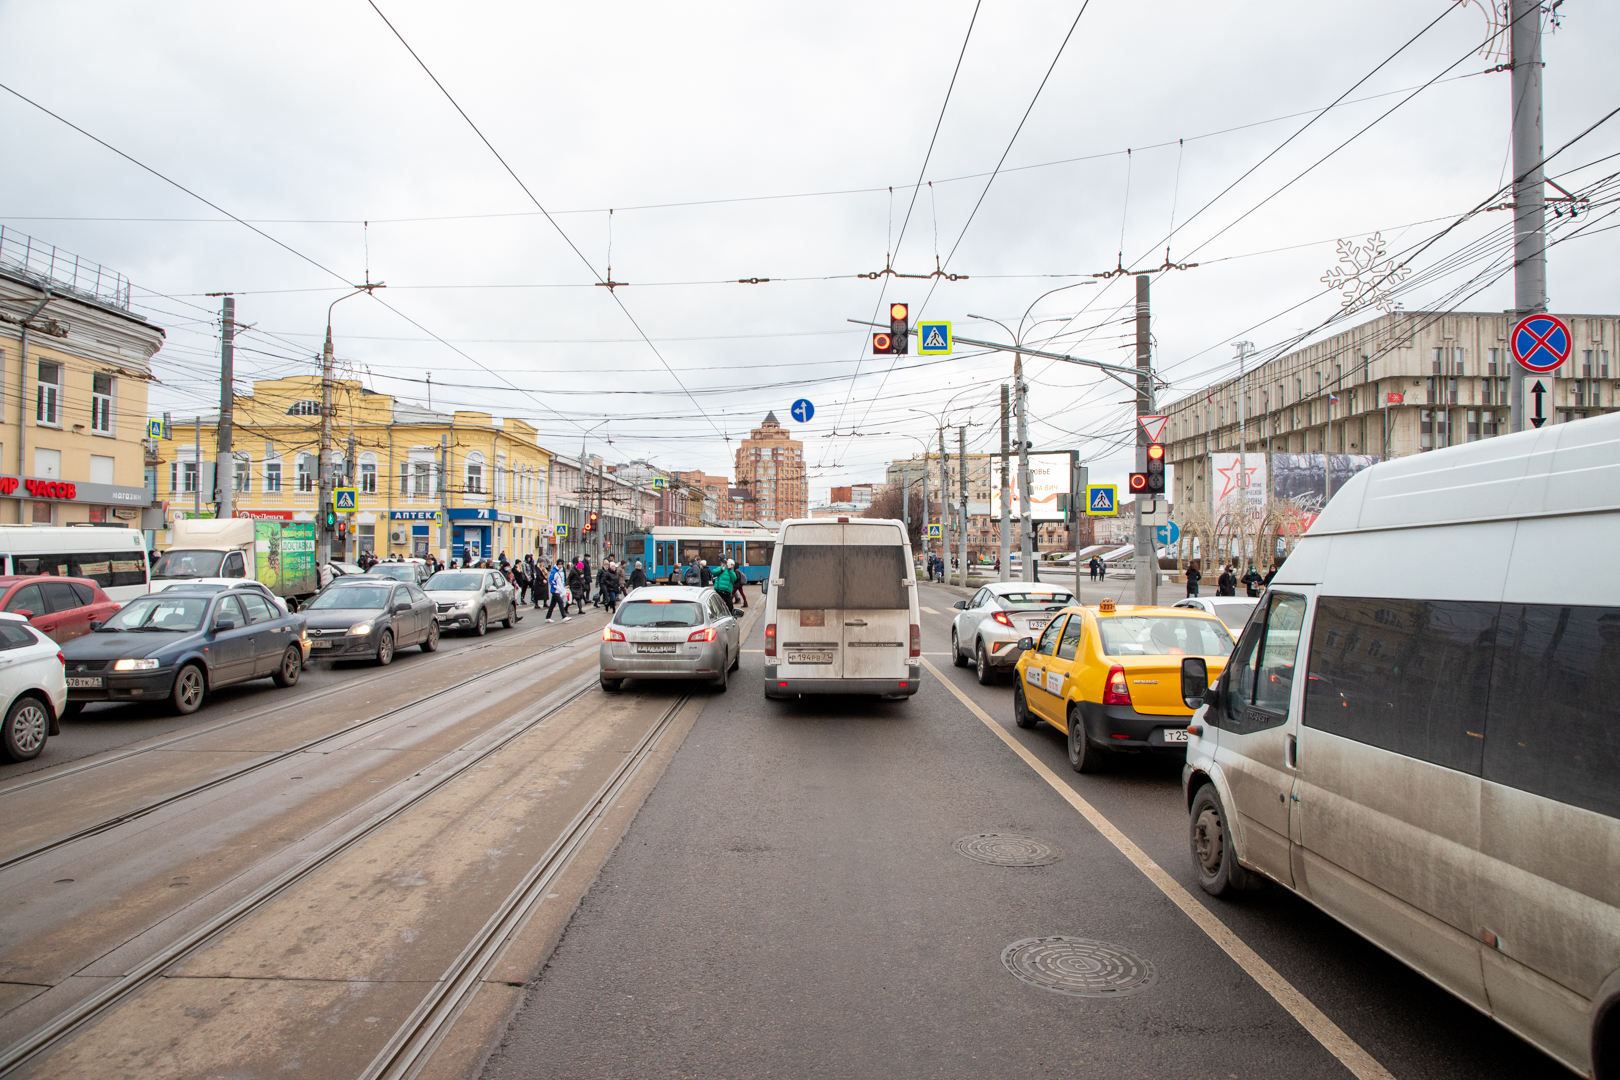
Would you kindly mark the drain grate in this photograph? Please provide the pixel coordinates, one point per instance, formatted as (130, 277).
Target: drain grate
(1000, 849)
(1079, 967)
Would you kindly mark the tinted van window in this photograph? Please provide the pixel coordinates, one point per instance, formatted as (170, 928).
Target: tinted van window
(1408, 676)
(846, 576)
(1554, 723)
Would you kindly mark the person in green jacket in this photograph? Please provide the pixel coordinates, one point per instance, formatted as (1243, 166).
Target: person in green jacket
(725, 582)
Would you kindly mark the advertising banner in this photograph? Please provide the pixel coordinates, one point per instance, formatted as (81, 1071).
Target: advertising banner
(1235, 488)
(1048, 478)
(284, 556)
(1304, 477)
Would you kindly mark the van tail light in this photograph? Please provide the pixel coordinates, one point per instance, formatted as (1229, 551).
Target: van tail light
(1001, 617)
(705, 634)
(770, 639)
(916, 640)
(1115, 692)
(610, 634)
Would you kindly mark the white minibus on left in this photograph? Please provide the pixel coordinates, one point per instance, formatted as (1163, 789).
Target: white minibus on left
(114, 558)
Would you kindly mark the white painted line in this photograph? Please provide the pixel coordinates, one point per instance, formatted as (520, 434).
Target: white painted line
(1325, 1031)
(928, 609)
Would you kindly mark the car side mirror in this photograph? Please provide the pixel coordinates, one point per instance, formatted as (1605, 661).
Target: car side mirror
(224, 622)
(95, 624)
(1194, 681)
(960, 605)
(400, 609)
(1026, 643)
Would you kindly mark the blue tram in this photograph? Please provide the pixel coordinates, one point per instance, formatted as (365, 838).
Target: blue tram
(664, 549)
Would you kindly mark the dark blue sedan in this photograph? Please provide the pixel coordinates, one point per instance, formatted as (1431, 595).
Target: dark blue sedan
(181, 644)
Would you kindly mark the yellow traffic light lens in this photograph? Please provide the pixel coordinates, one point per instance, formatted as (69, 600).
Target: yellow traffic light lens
(1155, 451)
(897, 311)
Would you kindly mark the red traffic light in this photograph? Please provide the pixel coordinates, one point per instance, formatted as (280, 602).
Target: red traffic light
(1139, 482)
(897, 311)
(593, 515)
(882, 343)
(1155, 451)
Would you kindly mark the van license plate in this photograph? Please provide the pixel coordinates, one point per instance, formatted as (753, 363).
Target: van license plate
(655, 648)
(1175, 735)
(809, 657)
(84, 682)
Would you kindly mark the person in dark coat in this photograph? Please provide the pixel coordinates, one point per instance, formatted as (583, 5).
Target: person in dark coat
(638, 576)
(1226, 584)
(1253, 582)
(577, 584)
(1194, 576)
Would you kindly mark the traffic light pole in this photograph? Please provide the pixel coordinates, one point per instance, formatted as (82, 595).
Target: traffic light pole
(1145, 554)
(962, 519)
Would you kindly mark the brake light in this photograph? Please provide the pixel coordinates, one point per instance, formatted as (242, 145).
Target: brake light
(1002, 617)
(770, 639)
(1115, 692)
(706, 634)
(916, 640)
(610, 634)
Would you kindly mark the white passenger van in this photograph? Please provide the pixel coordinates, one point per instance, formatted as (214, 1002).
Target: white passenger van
(841, 611)
(114, 558)
(1445, 778)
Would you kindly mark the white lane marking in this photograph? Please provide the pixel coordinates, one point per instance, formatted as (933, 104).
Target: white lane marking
(1325, 1031)
(928, 609)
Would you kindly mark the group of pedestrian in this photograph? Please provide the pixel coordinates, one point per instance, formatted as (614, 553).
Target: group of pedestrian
(1228, 580)
(936, 567)
(1099, 571)
(728, 581)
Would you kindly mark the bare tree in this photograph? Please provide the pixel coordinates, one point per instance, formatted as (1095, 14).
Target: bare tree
(887, 503)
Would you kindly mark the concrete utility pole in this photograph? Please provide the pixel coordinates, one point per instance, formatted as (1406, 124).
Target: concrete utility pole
(1079, 477)
(444, 497)
(196, 457)
(601, 508)
(1243, 348)
(1021, 407)
(1529, 182)
(944, 505)
(1145, 554)
(962, 520)
(1002, 559)
(225, 461)
(323, 545)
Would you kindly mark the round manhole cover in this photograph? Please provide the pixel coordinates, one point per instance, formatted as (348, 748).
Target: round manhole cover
(1000, 849)
(1079, 967)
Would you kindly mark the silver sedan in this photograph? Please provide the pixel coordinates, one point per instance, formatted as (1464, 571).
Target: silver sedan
(986, 631)
(471, 599)
(1231, 610)
(670, 632)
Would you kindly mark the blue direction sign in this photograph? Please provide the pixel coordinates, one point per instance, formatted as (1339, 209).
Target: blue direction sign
(933, 338)
(1168, 534)
(1102, 500)
(1541, 342)
(933, 532)
(345, 499)
(802, 410)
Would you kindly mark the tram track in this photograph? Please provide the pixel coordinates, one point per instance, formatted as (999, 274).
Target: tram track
(113, 822)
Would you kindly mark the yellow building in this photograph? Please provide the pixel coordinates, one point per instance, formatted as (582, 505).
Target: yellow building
(74, 365)
(395, 455)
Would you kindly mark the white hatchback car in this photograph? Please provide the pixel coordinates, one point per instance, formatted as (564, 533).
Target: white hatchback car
(1231, 610)
(32, 686)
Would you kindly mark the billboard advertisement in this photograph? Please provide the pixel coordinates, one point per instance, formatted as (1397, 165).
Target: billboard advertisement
(1304, 477)
(1048, 478)
(284, 556)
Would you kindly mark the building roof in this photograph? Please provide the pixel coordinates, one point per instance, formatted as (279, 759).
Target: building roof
(770, 417)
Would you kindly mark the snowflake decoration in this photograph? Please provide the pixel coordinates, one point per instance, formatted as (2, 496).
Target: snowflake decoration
(1365, 277)
(1496, 21)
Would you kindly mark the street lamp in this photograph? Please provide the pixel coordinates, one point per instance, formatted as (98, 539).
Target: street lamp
(941, 424)
(324, 497)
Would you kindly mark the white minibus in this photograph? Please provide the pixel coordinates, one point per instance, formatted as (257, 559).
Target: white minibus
(114, 558)
(1419, 730)
(841, 611)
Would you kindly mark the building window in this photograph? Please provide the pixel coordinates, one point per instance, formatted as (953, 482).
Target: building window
(304, 471)
(49, 410)
(475, 474)
(243, 480)
(1603, 363)
(183, 476)
(101, 396)
(1485, 387)
(421, 479)
(44, 513)
(1586, 364)
(1451, 391)
(304, 408)
(101, 469)
(272, 476)
(1577, 391)
(368, 478)
(1496, 358)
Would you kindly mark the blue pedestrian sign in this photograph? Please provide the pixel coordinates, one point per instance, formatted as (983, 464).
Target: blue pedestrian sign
(1168, 534)
(658, 483)
(562, 530)
(802, 410)
(344, 499)
(933, 532)
(1102, 500)
(934, 338)
(154, 429)
(1541, 342)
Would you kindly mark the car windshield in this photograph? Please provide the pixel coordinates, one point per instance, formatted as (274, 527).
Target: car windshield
(660, 613)
(1163, 635)
(1020, 600)
(352, 598)
(176, 613)
(398, 571)
(188, 564)
(459, 582)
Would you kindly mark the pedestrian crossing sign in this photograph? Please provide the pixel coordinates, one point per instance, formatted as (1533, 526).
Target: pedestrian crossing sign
(562, 530)
(345, 499)
(1102, 500)
(658, 483)
(933, 532)
(934, 338)
(154, 429)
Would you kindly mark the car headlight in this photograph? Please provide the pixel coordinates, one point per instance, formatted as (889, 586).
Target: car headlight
(464, 605)
(134, 665)
(360, 629)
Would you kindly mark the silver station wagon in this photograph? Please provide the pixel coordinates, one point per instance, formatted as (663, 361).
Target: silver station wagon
(670, 632)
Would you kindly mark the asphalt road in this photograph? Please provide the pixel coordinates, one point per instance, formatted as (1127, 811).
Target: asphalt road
(788, 902)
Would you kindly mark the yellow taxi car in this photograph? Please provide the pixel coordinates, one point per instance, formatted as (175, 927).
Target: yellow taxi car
(1110, 677)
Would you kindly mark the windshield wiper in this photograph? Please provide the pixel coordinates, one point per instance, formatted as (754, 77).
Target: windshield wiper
(160, 630)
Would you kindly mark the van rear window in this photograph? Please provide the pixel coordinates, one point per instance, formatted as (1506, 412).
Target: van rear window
(843, 576)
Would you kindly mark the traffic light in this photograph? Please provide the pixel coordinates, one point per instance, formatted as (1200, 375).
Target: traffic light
(591, 524)
(898, 329)
(882, 343)
(331, 519)
(1139, 483)
(343, 528)
(1155, 469)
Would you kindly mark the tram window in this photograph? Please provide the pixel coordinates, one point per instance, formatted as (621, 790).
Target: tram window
(758, 552)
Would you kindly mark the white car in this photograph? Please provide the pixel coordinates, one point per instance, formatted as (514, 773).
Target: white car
(991, 623)
(1231, 610)
(32, 686)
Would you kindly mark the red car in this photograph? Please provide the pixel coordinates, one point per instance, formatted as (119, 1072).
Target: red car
(62, 608)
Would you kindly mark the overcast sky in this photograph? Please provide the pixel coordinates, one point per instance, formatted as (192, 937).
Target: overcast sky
(763, 141)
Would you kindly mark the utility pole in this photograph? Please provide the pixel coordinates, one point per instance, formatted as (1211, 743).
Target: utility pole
(196, 456)
(962, 519)
(905, 502)
(1079, 477)
(926, 550)
(1145, 554)
(323, 545)
(225, 461)
(1021, 407)
(601, 508)
(1243, 348)
(1529, 181)
(1006, 488)
(944, 506)
(444, 497)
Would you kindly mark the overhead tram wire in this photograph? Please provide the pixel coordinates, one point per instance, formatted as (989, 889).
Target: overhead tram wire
(612, 292)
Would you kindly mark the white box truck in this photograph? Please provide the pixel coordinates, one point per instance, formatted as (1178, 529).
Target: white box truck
(278, 554)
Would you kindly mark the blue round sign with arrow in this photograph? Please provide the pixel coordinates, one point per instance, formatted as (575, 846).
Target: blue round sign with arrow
(802, 410)
(1168, 534)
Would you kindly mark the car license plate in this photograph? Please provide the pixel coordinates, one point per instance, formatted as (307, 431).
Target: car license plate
(1175, 735)
(809, 657)
(319, 643)
(1038, 624)
(84, 682)
(655, 648)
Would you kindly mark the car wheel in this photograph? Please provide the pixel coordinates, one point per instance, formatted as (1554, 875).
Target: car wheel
(510, 611)
(1021, 714)
(986, 673)
(1083, 757)
(23, 735)
(612, 685)
(723, 683)
(292, 665)
(481, 624)
(72, 708)
(431, 642)
(1219, 872)
(956, 651)
(736, 661)
(190, 687)
(385, 649)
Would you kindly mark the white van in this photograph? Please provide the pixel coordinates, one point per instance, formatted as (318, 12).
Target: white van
(113, 557)
(1445, 778)
(841, 611)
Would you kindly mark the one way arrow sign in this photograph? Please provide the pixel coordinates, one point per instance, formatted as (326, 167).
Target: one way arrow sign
(1540, 417)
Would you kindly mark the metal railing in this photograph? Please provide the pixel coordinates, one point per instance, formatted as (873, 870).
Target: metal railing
(63, 271)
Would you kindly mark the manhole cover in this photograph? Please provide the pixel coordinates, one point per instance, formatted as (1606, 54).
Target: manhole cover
(1079, 967)
(999, 849)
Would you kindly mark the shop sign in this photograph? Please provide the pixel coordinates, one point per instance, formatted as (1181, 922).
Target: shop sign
(28, 487)
(264, 515)
(415, 515)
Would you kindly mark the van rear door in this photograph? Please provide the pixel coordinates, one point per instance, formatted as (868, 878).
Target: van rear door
(877, 603)
(809, 618)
